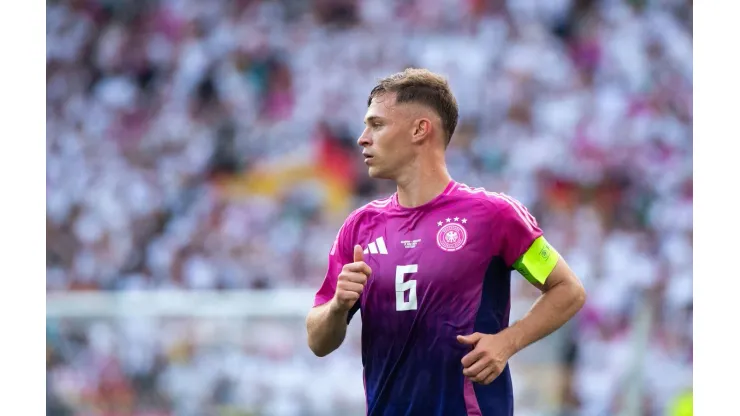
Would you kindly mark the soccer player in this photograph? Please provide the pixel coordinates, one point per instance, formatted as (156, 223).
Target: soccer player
(428, 268)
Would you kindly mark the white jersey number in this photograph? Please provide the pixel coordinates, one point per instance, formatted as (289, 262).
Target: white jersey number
(403, 286)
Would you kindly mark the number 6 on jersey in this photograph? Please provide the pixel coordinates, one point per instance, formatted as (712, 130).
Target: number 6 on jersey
(403, 286)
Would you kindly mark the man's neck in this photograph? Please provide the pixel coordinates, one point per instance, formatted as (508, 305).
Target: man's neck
(422, 185)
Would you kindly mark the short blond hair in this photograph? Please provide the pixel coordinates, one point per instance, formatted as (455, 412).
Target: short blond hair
(423, 87)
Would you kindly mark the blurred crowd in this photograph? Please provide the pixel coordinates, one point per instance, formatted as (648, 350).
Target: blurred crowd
(211, 145)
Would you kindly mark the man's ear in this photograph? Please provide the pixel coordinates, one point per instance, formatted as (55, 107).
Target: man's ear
(421, 129)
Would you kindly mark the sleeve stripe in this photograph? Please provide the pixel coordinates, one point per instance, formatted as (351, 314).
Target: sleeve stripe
(517, 209)
(522, 208)
(336, 242)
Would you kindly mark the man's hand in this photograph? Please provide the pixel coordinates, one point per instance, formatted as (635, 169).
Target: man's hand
(488, 358)
(351, 282)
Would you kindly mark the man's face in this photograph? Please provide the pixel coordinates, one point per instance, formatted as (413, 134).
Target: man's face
(386, 140)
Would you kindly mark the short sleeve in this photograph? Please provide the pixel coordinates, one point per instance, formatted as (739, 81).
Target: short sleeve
(516, 228)
(522, 244)
(339, 255)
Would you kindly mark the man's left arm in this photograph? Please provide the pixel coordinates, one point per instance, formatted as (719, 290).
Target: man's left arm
(562, 297)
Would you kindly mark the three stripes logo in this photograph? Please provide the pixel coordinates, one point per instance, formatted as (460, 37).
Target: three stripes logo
(377, 247)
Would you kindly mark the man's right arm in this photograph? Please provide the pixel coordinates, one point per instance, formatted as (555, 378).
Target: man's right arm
(327, 327)
(327, 321)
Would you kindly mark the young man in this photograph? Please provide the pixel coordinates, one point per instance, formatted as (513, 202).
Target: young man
(429, 269)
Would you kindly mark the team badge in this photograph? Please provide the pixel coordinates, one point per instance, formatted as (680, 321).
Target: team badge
(452, 234)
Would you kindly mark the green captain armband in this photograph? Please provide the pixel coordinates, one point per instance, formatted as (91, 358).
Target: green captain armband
(537, 262)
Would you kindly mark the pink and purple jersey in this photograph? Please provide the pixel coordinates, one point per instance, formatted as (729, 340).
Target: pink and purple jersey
(439, 270)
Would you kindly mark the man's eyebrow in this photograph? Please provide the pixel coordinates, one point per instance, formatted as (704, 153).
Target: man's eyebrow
(371, 119)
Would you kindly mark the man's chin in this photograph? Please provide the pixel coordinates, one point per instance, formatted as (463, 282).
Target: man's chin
(375, 173)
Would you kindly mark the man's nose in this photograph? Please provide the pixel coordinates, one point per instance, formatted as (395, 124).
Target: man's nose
(363, 140)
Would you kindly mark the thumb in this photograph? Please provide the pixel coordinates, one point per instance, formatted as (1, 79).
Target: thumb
(471, 339)
(358, 253)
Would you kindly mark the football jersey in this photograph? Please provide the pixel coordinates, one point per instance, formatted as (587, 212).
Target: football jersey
(438, 271)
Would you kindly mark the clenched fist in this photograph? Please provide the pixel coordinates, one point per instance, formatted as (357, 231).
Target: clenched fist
(351, 282)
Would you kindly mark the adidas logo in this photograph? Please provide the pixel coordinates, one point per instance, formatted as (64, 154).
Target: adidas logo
(377, 247)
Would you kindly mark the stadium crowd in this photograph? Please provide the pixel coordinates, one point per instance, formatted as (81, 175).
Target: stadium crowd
(211, 145)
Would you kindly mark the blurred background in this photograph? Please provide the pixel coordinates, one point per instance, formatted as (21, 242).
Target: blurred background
(201, 156)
